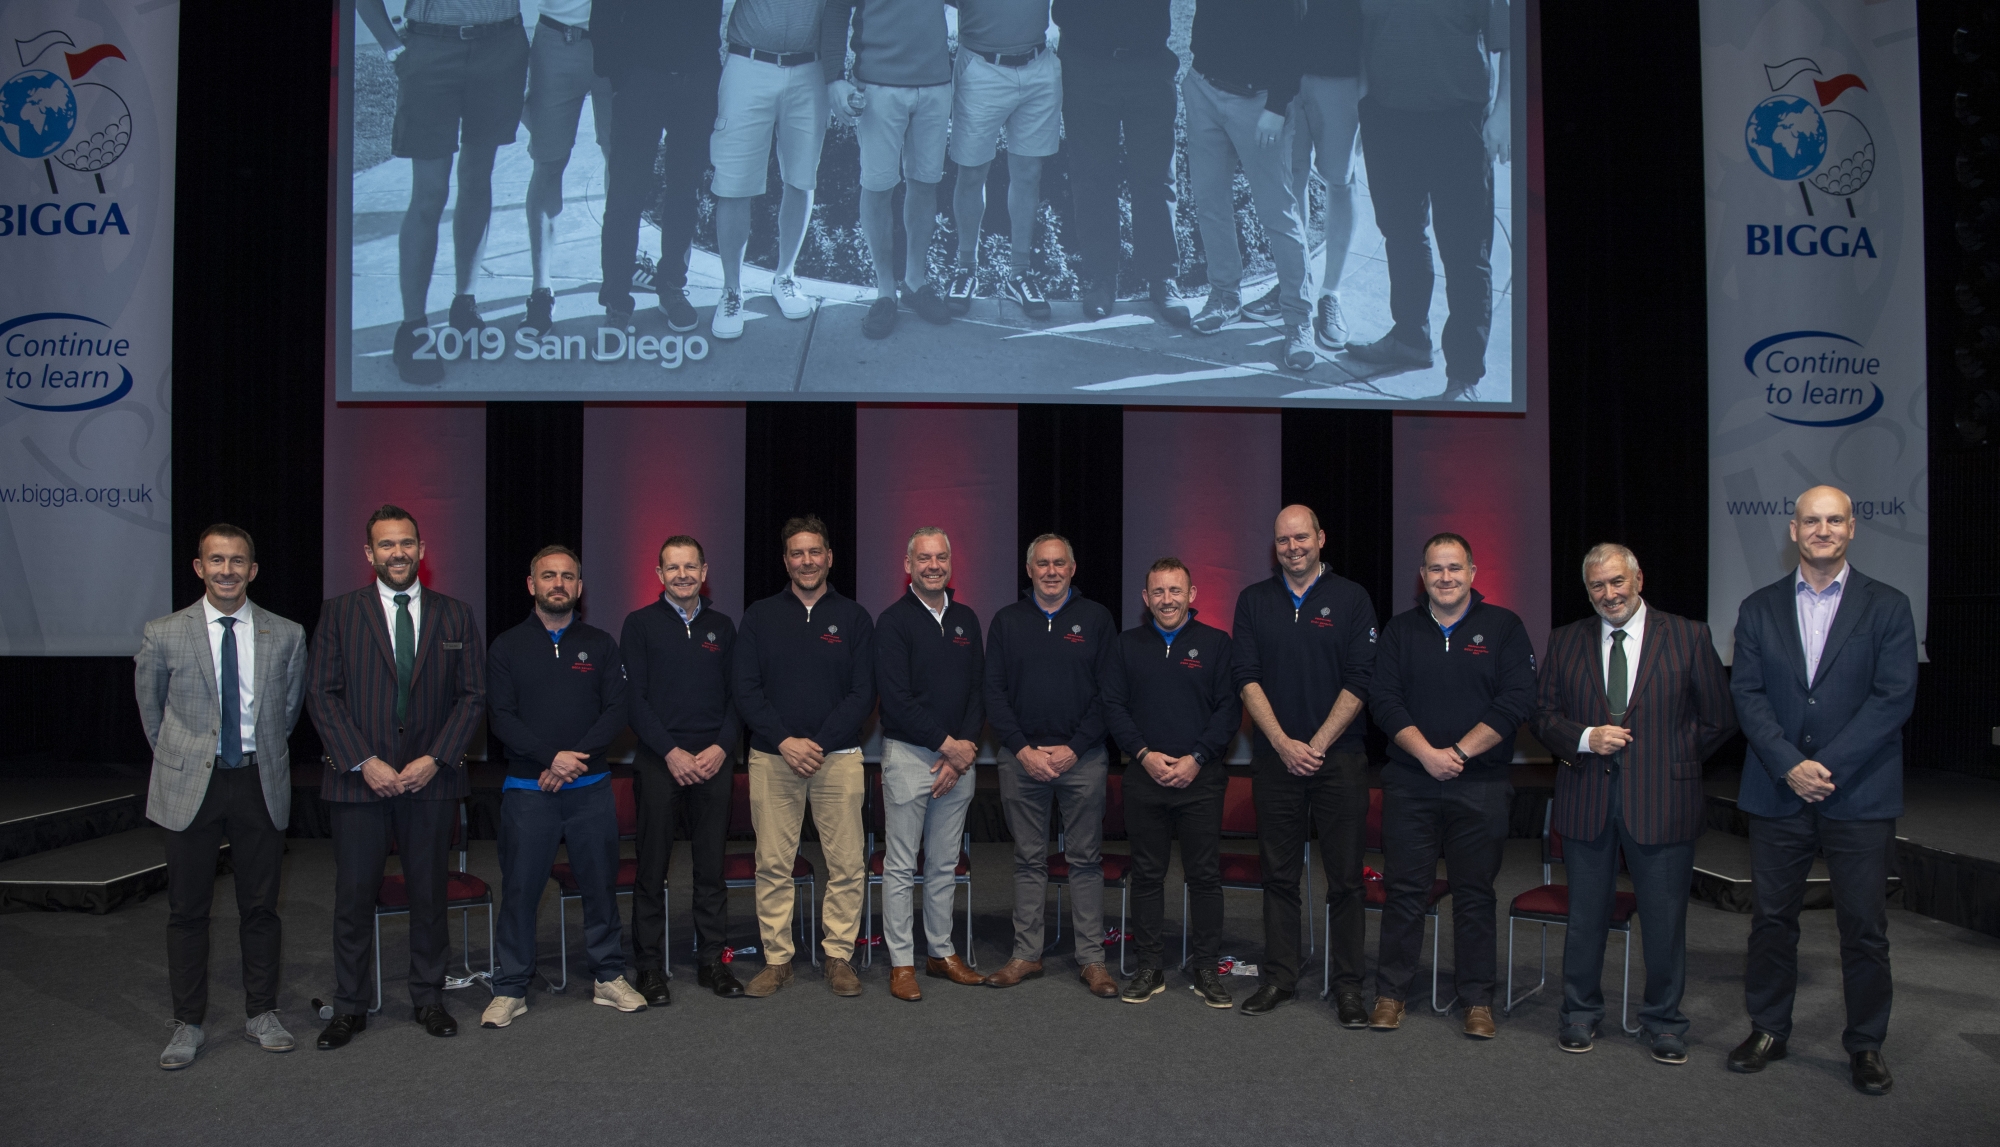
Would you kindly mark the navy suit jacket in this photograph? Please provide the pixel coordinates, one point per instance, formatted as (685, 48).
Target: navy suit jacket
(1679, 714)
(1850, 718)
(351, 693)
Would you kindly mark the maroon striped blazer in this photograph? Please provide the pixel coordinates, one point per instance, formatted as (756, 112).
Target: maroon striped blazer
(351, 692)
(1679, 713)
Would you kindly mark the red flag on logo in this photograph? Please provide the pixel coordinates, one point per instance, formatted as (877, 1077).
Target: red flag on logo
(81, 62)
(1829, 90)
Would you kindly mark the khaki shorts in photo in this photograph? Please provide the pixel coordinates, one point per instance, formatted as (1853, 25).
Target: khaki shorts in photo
(902, 133)
(755, 104)
(1024, 102)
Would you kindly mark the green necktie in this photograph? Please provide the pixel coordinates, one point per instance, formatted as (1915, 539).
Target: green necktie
(1615, 687)
(406, 656)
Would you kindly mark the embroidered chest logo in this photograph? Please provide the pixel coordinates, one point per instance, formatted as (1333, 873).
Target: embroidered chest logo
(709, 643)
(582, 663)
(1075, 635)
(1192, 660)
(832, 635)
(1323, 621)
(959, 638)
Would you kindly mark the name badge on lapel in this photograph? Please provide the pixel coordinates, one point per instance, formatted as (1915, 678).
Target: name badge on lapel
(454, 645)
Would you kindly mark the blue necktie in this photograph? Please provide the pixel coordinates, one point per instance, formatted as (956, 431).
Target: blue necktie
(230, 748)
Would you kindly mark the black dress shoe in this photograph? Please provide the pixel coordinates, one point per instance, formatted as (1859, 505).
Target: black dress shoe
(1347, 1005)
(653, 986)
(1871, 1073)
(342, 1029)
(1752, 1054)
(437, 1021)
(1265, 999)
(717, 978)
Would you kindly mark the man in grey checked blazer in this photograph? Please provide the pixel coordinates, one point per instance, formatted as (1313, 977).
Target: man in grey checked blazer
(220, 684)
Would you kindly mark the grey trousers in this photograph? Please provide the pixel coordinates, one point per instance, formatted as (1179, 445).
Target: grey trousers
(1079, 793)
(915, 823)
(1222, 132)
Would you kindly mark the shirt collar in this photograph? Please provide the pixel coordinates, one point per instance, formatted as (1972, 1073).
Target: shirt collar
(1635, 626)
(1838, 584)
(210, 613)
(937, 614)
(1051, 613)
(686, 617)
(389, 595)
(1169, 634)
(1299, 599)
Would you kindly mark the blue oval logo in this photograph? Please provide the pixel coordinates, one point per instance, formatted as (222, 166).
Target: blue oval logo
(1833, 384)
(75, 366)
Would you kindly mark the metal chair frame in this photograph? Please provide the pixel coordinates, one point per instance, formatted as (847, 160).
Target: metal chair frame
(464, 908)
(1548, 877)
(875, 878)
(1124, 886)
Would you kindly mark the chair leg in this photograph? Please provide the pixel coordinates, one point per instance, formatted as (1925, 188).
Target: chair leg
(562, 944)
(1437, 940)
(492, 953)
(1124, 926)
(868, 914)
(1305, 902)
(1326, 954)
(1514, 1001)
(1625, 1002)
(812, 922)
(971, 954)
(1184, 925)
(667, 931)
(378, 967)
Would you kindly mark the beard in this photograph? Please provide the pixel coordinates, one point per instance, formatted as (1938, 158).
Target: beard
(383, 571)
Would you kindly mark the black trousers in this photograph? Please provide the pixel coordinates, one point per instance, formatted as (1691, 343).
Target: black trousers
(1857, 862)
(1102, 94)
(1334, 800)
(1662, 875)
(645, 104)
(362, 831)
(233, 808)
(1154, 813)
(1432, 167)
(707, 804)
(1465, 822)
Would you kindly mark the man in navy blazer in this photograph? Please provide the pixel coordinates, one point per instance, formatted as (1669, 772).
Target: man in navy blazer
(1631, 700)
(1825, 677)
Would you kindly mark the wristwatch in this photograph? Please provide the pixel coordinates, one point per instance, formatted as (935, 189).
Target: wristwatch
(396, 51)
(1200, 758)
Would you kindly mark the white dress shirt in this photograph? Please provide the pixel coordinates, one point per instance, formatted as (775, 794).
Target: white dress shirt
(389, 609)
(246, 664)
(1635, 636)
(1816, 612)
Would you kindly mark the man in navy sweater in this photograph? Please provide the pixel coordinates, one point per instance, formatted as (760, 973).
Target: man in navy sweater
(1046, 656)
(1454, 679)
(1170, 703)
(556, 698)
(677, 660)
(931, 668)
(1304, 653)
(804, 680)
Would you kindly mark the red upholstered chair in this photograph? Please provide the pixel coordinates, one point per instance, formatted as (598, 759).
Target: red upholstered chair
(1244, 871)
(463, 892)
(627, 804)
(1374, 895)
(962, 874)
(1116, 866)
(1548, 903)
(739, 869)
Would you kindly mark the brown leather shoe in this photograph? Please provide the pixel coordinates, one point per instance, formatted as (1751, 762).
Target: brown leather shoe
(768, 981)
(1388, 1015)
(1479, 1023)
(1013, 972)
(952, 968)
(840, 977)
(1099, 981)
(903, 983)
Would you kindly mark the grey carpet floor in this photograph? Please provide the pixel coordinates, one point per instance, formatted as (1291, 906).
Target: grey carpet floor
(86, 1003)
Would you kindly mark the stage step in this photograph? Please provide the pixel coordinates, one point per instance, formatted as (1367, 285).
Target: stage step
(65, 815)
(95, 876)
(1722, 875)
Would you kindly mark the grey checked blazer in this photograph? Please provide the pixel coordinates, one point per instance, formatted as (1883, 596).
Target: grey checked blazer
(182, 710)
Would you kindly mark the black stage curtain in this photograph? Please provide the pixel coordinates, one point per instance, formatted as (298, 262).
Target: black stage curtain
(1071, 481)
(534, 498)
(249, 338)
(798, 459)
(1342, 463)
(1628, 326)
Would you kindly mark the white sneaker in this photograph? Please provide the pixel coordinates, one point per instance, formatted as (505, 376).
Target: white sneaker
(792, 302)
(728, 320)
(618, 994)
(502, 1011)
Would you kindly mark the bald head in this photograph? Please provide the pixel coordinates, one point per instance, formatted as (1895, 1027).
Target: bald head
(1823, 527)
(1297, 541)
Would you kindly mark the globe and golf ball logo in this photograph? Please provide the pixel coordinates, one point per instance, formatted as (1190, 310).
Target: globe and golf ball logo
(85, 127)
(1800, 140)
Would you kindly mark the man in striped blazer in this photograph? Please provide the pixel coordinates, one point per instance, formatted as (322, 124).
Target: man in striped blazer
(397, 687)
(1631, 702)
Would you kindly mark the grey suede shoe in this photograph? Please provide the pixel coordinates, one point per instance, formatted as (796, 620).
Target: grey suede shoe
(180, 1051)
(266, 1032)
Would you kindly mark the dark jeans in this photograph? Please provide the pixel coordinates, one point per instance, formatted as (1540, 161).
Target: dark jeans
(361, 834)
(1153, 814)
(1465, 822)
(1432, 166)
(1101, 93)
(707, 804)
(234, 808)
(1335, 800)
(1857, 861)
(644, 104)
(1661, 876)
(532, 823)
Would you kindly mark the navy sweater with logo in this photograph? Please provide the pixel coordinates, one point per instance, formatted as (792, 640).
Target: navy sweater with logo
(679, 679)
(1483, 672)
(1175, 699)
(1043, 674)
(802, 672)
(1303, 656)
(931, 673)
(544, 697)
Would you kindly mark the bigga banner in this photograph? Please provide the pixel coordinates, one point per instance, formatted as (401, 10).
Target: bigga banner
(1815, 287)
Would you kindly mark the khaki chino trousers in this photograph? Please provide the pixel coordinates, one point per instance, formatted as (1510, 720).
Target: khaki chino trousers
(778, 799)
